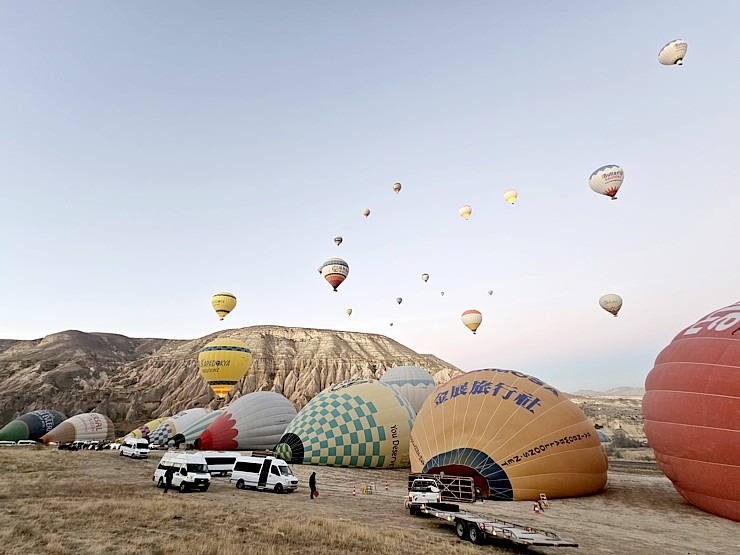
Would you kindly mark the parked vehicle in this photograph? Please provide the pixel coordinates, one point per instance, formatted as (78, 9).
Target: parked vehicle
(220, 463)
(26, 442)
(263, 473)
(134, 447)
(190, 471)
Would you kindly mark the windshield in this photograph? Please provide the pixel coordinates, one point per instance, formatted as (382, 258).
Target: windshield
(284, 470)
(199, 468)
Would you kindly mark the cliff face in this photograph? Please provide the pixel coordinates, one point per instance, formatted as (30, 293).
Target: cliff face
(134, 379)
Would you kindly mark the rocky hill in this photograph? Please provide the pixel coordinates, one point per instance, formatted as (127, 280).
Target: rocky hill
(137, 379)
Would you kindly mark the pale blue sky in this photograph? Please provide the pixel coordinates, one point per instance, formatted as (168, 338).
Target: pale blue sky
(154, 153)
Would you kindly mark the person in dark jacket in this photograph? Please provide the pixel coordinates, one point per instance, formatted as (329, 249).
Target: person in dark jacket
(168, 478)
(312, 485)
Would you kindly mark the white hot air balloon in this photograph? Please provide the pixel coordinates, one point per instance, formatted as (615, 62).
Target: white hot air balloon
(607, 180)
(611, 303)
(510, 196)
(465, 211)
(425, 277)
(673, 53)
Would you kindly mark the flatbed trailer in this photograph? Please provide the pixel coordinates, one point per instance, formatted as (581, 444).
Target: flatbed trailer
(478, 528)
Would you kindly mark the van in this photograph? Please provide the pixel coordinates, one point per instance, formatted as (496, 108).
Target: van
(263, 473)
(190, 471)
(134, 447)
(220, 462)
(26, 442)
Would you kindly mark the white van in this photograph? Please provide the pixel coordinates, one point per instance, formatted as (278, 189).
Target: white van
(220, 462)
(26, 442)
(190, 471)
(263, 473)
(134, 447)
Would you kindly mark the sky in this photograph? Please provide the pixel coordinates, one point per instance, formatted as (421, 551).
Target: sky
(155, 153)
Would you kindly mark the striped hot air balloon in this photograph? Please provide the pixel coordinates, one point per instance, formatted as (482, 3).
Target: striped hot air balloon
(223, 303)
(472, 319)
(413, 382)
(335, 271)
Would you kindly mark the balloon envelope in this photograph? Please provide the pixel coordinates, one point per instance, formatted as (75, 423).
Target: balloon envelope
(396, 187)
(673, 53)
(87, 426)
(465, 211)
(511, 195)
(472, 319)
(399, 300)
(366, 212)
(173, 425)
(335, 271)
(425, 277)
(146, 429)
(192, 432)
(607, 180)
(338, 240)
(31, 425)
(413, 382)
(692, 412)
(223, 303)
(349, 312)
(512, 433)
(223, 363)
(611, 303)
(356, 423)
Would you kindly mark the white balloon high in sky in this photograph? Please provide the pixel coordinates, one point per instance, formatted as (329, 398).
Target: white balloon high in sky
(225, 150)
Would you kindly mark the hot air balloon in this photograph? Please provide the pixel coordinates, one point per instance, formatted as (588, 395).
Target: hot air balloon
(223, 363)
(399, 300)
(391, 324)
(335, 271)
(193, 431)
(691, 408)
(31, 425)
(146, 429)
(396, 187)
(515, 435)
(490, 291)
(510, 196)
(413, 382)
(611, 303)
(253, 421)
(349, 312)
(673, 53)
(472, 319)
(91, 426)
(366, 212)
(176, 424)
(465, 211)
(338, 240)
(442, 293)
(356, 423)
(607, 180)
(223, 303)
(425, 277)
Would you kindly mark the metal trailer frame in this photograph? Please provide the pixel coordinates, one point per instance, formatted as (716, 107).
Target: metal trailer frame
(478, 528)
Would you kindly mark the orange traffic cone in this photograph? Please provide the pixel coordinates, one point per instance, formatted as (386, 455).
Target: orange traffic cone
(536, 508)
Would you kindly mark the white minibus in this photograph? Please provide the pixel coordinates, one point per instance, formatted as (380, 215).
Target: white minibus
(263, 473)
(190, 471)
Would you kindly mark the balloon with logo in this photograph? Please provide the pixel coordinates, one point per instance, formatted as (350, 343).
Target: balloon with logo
(223, 363)
(223, 303)
(335, 271)
(691, 408)
(465, 211)
(472, 319)
(91, 426)
(611, 303)
(511, 195)
(396, 188)
(515, 435)
(673, 53)
(31, 425)
(607, 180)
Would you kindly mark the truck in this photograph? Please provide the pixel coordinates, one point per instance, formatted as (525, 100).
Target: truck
(424, 498)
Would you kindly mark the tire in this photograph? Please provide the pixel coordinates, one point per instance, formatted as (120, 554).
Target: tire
(120, 453)
(160, 484)
(414, 510)
(204, 488)
(278, 488)
(474, 534)
(461, 529)
(240, 485)
(183, 487)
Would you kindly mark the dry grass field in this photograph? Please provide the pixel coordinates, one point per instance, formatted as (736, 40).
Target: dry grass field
(96, 502)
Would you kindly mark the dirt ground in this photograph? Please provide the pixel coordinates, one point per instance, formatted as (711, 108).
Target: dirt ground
(638, 513)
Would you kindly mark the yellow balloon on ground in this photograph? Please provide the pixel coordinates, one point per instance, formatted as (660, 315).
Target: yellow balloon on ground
(223, 363)
(510, 196)
(516, 436)
(223, 303)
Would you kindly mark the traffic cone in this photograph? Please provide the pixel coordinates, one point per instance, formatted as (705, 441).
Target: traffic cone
(354, 491)
(536, 508)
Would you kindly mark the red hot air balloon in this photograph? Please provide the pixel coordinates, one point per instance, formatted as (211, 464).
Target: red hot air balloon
(335, 271)
(692, 412)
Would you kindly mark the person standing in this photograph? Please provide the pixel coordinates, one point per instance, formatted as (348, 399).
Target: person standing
(312, 485)
(168, 478)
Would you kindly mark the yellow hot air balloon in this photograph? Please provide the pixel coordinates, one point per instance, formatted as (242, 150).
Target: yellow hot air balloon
(223, 303)
(349, 312)
(223, 363)
(465, 211)
(510, 196)
(472, 319)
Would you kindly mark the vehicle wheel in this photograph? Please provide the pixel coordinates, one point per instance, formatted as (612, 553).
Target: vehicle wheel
(240, 485)
(278, 488)
(474, 533)
(120, 453)
(204, 488)
(183, 487)
(461, 529)
(414, 510)
(160, 484)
